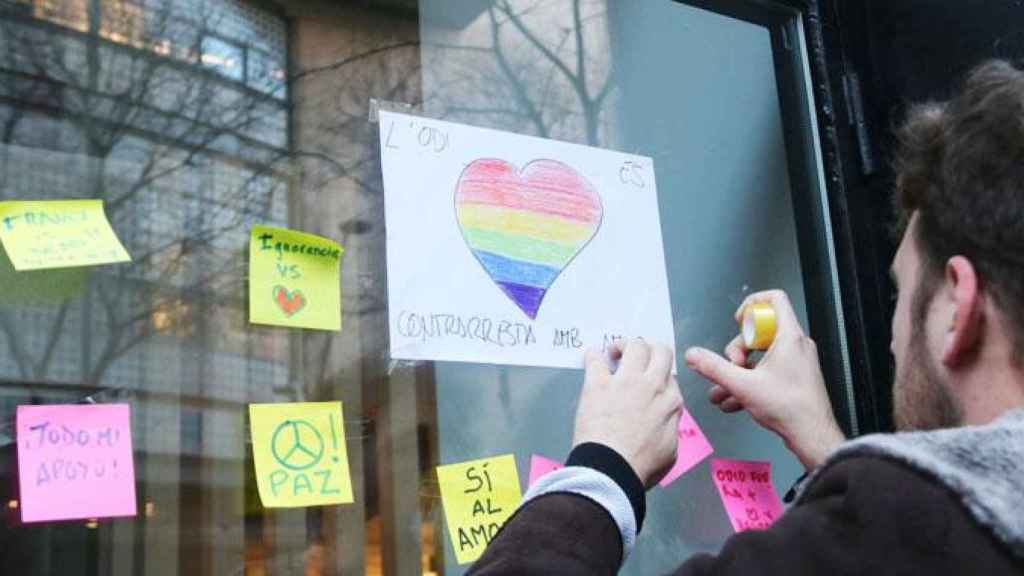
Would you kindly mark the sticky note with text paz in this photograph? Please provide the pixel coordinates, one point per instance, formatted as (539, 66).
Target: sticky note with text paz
(300, 455)
(478, 497)
(294, 279)
(42, 234)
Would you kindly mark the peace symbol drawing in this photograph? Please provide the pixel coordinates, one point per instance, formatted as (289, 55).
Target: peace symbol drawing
(297, 445)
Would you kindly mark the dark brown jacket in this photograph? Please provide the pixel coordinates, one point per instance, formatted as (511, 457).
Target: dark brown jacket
(873, 510)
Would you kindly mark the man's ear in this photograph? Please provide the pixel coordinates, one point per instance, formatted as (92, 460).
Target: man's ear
(964, 331)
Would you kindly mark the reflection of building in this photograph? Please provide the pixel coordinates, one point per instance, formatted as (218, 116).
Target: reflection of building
(176, 114)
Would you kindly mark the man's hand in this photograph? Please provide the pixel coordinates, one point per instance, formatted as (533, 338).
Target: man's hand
(784, 393)
(634, 411)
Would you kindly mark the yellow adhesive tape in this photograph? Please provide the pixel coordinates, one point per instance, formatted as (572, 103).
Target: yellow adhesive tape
(758, 326)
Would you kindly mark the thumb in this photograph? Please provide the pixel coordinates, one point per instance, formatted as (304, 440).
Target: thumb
(718, 370)
(595, 365)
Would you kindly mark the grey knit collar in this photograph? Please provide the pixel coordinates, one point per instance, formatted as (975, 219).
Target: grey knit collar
(983, 465)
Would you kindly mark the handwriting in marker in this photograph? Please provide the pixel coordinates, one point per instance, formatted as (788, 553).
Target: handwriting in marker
(75, 462)
(747, 493)
(478, 497)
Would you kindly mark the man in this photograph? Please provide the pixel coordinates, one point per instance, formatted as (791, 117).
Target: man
(943, 496)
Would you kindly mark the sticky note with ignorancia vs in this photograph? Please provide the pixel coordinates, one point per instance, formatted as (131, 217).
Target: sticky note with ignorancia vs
(40, 234)
(747, 493)
(299, 454)
(294, 279)
(692, 448)
(478, 497)
(75, 462)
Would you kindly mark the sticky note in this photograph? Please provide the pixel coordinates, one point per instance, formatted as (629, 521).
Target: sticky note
(294, 279)
(478, 497)
(40, 234)
(692, 448)
(300, 455)
(75, 462)
(747, 493)
(540, 466)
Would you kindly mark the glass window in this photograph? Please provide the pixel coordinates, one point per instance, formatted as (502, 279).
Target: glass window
(195, 120)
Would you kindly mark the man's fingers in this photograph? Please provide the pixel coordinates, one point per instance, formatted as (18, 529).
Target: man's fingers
(718, 370)
(596, 366)
(636, 356)
(736, 351)
(786, 317)
(730, 405)
(616, 348)
(661, 362)
(717, 394)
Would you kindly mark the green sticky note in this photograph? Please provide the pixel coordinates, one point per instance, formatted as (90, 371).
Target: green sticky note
(294, 279)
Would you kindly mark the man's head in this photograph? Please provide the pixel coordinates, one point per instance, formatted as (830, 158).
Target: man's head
(958, 329)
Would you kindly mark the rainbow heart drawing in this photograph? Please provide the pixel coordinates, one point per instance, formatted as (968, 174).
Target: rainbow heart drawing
(526, 227)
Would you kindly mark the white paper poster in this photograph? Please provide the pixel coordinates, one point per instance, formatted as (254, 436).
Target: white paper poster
(511, 249)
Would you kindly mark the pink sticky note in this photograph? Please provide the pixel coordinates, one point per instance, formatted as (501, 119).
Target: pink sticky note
(693, 447)
(75, 461)
(747, 493)
(540, 466)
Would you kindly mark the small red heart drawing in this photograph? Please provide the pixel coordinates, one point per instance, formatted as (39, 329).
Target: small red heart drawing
(290, 302)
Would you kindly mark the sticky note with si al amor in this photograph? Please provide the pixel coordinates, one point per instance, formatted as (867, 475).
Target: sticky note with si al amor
(478, 497)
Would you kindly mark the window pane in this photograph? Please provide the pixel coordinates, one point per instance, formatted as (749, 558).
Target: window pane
(195, 120)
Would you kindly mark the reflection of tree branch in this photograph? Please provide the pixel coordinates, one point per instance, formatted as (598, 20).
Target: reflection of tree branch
(15, 345)
(536, 43)
(352, 59)
(55, 334)
(581, 72)
(520, 91)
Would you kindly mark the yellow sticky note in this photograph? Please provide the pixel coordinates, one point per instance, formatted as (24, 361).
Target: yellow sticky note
(294, 279)
(299, 453)
(40, 234)
(478, 497)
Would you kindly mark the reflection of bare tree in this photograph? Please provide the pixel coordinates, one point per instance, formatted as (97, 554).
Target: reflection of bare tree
(574, 73)
(153, 111)
(526, 66)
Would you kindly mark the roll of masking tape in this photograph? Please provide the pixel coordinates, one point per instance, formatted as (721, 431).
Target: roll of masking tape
(758, 326)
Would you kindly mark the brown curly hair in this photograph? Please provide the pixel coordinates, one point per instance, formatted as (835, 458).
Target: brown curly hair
(960, 168)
